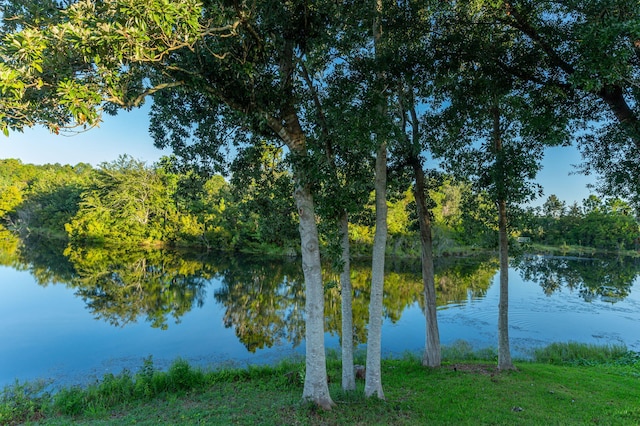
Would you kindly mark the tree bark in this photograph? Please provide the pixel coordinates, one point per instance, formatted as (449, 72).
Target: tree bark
(316, 388)
(613, 96)
(504, 352)
(432, 355)
(346, 292)
(373, 375)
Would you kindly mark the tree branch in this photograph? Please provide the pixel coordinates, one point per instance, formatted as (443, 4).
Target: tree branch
(517, 72)
(521, 24)
(320, 112)
(150, 91)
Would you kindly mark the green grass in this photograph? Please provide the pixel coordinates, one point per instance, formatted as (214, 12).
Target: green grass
(602, 388)
(573, 353)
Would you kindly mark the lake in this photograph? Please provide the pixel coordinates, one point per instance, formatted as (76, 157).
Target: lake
(73, 315)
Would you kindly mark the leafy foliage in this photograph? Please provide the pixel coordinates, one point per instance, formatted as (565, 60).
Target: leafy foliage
(605, 224)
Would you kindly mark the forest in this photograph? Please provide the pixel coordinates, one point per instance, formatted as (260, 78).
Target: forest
(130, 203)
(366, 103)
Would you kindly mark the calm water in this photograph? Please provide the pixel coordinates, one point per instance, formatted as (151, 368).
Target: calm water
(75, 317)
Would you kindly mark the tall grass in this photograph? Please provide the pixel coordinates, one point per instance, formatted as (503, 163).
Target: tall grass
(575, 353)
(29, 401)
(149, 383)
(461, 350)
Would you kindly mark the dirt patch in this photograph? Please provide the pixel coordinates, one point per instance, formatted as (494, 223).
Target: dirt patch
(485, 369)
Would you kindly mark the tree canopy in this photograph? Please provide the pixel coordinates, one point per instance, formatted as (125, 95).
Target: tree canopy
(327, 93)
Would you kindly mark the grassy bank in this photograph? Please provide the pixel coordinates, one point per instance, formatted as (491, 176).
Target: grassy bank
(567, 384)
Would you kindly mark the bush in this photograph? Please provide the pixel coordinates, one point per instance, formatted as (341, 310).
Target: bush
(23, 402)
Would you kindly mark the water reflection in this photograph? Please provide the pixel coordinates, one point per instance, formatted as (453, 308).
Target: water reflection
(606, 278)
(252, 309)
(119, 285)
(263, 301)
(262, 298)
(44, 258)
(460, 280)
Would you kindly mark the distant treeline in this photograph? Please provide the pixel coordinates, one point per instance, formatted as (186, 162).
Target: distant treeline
(127, 202)
(610, 224)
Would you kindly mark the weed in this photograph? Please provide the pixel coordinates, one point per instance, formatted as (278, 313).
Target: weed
(23, 401)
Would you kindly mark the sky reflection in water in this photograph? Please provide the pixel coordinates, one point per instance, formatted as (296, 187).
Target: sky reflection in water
(50, 332)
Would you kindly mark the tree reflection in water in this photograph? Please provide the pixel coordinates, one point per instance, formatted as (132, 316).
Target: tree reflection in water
(262, 298)
(263, 301)
(119, 285)
(608, 278)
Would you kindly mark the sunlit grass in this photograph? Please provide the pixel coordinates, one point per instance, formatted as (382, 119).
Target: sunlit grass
(567, 383)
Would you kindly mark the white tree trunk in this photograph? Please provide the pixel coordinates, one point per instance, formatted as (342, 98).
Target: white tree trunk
(373, 375)
(316, 388)
(346, 292)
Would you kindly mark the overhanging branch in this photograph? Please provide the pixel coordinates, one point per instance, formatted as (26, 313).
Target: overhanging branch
(140, 98)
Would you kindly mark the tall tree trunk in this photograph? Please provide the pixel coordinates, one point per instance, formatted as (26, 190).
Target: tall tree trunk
(504, 353)
(373, 375)
(288, 127)
(432, 355)
(346, 292)
(316, 388)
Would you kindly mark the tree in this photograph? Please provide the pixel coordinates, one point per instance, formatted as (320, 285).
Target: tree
(262, 184)
(373, 374)
(604, 224)
(592, 204)
(10, 198)
(41, 199)
(349, 103)
(414, 74)
(590, 51)
(237, 60)
(494, 127)
(343, 188)
(127, 203)
(553, 207)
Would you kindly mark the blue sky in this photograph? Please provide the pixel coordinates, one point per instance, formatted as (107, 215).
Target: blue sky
(127, 133)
